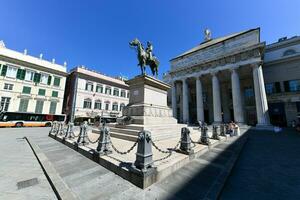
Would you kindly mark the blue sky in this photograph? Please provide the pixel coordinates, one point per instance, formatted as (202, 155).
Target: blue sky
(96, 33)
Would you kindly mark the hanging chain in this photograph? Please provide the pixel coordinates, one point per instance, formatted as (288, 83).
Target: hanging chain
(123, 152)
(165, 151)
(93, 142)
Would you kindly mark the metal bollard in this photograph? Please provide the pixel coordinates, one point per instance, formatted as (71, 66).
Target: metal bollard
(204, 137)
(82, 139)
(61, 128)
(185, 143)
(53, 128)
(222, 130)
(144, 154)
(57, 128)
(103, 147)
(236, 131)
(215, 134)
(70, 131)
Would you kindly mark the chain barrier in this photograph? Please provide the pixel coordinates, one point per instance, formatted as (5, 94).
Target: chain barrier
(91, 141)
(123, 152)
(169, 152)
(77, 131)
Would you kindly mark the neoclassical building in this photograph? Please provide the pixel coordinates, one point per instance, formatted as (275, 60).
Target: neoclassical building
(90, 94)
(221, 79)
(30, 84)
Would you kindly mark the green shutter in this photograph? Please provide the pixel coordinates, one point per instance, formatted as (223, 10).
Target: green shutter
(42, 92)
(22, 77)
(56, 81)
(19, 73)
(49, 80)
(26, 90)
(4, 70)
(54, 94)
(37, 77)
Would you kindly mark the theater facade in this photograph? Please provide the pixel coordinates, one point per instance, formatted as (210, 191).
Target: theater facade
(222, 80)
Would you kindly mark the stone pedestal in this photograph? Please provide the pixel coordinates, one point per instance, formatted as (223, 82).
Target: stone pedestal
(148, 102)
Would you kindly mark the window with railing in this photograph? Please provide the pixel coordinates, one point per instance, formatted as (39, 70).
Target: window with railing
(107, 103)
(122, 105)
(99, 88)
(123, 93)
(89, 86)
(108, 90)
(115, 106)
(116, 92)
(87, 103)
(97, 105)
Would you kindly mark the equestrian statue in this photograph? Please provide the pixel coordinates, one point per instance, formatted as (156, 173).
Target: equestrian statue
(145, 57)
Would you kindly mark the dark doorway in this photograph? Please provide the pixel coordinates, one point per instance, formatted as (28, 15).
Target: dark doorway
(206, 116)
(277, 114)
(231, 115)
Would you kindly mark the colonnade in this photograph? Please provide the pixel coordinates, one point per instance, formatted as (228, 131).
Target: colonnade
(259, 91)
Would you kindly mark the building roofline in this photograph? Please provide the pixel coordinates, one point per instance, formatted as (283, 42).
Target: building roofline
(286, 42)
(97, 76)
(188, 52)
(21, 57)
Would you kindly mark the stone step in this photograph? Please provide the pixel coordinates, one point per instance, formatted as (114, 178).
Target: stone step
(123, 136)
(124, 131)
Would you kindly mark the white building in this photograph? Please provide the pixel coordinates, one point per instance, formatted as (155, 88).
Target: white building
(30, 84)
(237, 78)
(90, 94)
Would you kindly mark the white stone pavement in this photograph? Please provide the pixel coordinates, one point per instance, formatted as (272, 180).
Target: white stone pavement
(89, 180)
(20, 172)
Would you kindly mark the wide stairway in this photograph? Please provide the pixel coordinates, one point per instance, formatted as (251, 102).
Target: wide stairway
(158, 132)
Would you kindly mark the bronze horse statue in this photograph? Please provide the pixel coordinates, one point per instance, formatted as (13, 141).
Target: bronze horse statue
(145, 57)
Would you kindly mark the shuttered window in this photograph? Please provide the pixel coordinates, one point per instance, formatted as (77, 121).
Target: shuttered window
(42, 92)
(21, 74)
(56, 81)
(52, 107)
(3, 70)
(23, 105)
(39, 106)
(37, 77)
(26, 90)
(54, 94)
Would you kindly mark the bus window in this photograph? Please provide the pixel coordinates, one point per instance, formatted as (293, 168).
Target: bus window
(4, 118)
(49, 117)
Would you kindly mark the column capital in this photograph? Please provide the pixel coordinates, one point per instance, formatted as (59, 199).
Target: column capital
(184, 79)
(214, 72)
(199, 77)
(234, 69)
(255, 65)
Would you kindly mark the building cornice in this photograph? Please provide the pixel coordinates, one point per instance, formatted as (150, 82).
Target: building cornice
(100, 80)
(230, 58)
(283, 59)
(283, 44)
(31, 65)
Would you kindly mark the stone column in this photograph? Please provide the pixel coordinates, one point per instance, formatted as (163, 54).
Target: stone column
(216, 99)
(199, 98)
(263, 120)
(174, 103)
(185, 101)
(236, 97)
